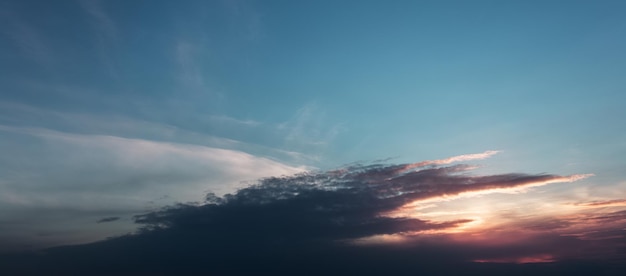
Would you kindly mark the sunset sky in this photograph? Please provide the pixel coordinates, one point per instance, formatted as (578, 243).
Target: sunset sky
(490, 129)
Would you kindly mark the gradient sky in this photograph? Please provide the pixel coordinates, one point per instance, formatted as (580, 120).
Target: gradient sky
(113, 108)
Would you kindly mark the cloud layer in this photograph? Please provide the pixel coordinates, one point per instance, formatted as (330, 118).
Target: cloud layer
(339, 221)
(80, 178)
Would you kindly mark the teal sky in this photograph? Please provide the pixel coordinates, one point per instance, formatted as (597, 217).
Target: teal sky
(108, 108)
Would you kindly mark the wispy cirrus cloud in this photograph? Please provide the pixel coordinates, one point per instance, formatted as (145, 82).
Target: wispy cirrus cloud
(230, 120)
(28, 40)
(103, 22)
(12, 114)
(187, 55)
(137, 153)
(106, 33)
(308, 130)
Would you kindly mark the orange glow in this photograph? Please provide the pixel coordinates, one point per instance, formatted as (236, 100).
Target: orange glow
(380, 239)
(484, 211)
(542, 258)
(516, 214)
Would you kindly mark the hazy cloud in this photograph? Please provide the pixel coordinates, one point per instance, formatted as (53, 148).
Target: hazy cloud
(187, 55)
(309, 130)
(108, 219)
(54, 171)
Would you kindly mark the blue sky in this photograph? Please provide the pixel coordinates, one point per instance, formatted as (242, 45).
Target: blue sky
(109, 108)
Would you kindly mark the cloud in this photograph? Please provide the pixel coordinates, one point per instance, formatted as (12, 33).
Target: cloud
(110, 161)
(45, 172)
(466, 157)
(579, 237)
(329, 222)
(191, 74)
(108, 219)
(344, 204)
(105, 31)
(28, 39)
(603, 203)
(229, 120)
(308, 130)
(12, 113)
(103, 21)
(317, 221)
(247, 19)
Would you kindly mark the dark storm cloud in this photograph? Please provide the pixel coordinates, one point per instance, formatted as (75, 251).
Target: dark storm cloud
(302, 224)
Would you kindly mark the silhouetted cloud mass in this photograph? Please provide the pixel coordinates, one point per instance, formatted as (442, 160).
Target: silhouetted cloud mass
(331, 205)
(316, 222)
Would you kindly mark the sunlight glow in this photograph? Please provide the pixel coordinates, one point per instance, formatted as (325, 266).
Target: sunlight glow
(516, 189)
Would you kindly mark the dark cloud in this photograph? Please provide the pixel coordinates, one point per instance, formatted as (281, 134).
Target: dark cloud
(108, 219)
(308, 224)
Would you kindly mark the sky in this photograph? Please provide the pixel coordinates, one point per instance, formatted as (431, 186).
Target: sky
(402, 127)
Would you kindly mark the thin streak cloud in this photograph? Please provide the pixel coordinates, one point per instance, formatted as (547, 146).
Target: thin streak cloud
(603, 203)
(460, 158)
(108, 219)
